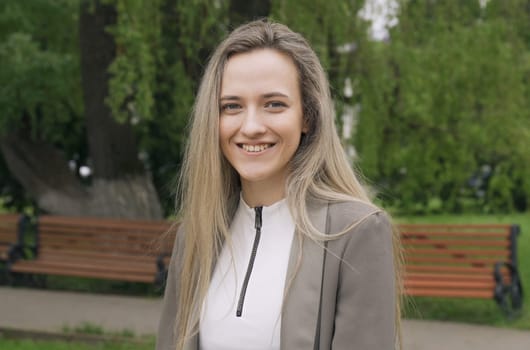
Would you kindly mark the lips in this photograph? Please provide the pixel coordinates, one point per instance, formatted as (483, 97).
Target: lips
(255, 148)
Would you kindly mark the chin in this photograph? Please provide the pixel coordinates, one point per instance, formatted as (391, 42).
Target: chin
(252, 178)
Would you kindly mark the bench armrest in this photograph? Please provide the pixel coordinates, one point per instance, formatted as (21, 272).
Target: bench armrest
(15, 252)
(161, 275)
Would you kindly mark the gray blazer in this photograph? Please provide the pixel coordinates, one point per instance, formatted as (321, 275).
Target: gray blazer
(353, 280)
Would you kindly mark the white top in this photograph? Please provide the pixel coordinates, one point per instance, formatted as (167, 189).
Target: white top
(259, 325)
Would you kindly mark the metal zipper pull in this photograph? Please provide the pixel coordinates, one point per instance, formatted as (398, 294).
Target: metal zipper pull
(257, 226)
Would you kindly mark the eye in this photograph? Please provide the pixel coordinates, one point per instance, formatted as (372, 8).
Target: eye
(275, 105)
(230, 107)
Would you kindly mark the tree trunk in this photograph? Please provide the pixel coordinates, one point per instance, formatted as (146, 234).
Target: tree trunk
(44, 173)
(120, 185)
(112, 146)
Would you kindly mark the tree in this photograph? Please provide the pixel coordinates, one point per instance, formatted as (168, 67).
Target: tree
(43, 107)
(116, 101)
(116, 98)
(444, 122)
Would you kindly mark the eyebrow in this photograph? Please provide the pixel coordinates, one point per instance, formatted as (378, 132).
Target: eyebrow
(230, 98)
(275, 94)
(267, 95)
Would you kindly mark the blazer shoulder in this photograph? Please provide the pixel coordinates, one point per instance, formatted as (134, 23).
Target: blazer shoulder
(347, 213)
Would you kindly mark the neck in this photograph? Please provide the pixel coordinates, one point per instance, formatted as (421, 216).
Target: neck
(259, 194)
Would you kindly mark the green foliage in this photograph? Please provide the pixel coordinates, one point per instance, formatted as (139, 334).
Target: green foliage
(14, 344)
(137, 37)
(94, 329)
(40, 94)
(85, 328)
(189, 32)
(40, 62)
(444, 122)
(161, 47)
(333, 30)
(444, 103)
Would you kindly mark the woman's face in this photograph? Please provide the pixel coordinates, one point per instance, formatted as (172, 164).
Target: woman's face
(260, 116)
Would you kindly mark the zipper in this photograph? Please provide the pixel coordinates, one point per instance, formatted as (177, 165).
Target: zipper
(257, 226)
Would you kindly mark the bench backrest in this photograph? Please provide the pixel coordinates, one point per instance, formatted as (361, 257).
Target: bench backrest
(9, 232)
(458, 248)
(111, 236)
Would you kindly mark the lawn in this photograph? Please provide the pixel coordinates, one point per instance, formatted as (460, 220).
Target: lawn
(8, 344)
(470, 310)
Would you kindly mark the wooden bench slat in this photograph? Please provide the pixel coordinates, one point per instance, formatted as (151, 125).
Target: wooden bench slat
(131, 252)
(454, 252)
(54, 222)
(455, 269)
(489, 285)
(145, 278)
(108, 262)
(96, 243)
(458, 261)
(455, 242)
(68, 265)
(111, 260)
(9, 219)
(453, 293)
(411, 227)
(103, 238)
(76, 222)
(91, 231)
(463, 235)
(50, 253)
(447, 277)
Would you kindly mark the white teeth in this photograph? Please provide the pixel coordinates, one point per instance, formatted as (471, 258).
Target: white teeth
(255, 148)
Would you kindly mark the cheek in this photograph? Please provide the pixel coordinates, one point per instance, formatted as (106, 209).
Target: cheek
(225, 133)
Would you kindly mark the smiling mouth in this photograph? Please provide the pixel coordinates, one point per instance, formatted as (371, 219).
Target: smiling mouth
(256, 148)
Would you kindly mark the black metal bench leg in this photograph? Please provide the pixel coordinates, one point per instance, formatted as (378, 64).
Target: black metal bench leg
(4, 275)
(508, 296)
(39, 281)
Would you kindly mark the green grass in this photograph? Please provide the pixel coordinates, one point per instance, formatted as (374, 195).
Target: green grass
(94, 329)
(9, 344)
(99, 286)
(470, 310)
(85, 328)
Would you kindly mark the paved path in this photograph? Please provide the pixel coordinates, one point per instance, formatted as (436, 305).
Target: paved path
(52, 311)
(433, 335)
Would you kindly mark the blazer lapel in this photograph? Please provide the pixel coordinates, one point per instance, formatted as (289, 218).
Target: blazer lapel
(301, 300)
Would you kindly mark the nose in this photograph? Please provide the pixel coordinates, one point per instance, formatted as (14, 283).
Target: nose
(252, 123)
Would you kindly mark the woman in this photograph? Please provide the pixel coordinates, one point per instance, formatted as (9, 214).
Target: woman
(279, 246)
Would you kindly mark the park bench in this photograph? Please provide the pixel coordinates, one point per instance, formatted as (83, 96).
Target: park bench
(463, 261)
(11, 227)
(122, 250)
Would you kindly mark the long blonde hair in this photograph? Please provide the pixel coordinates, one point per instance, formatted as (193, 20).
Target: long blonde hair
(209, 187)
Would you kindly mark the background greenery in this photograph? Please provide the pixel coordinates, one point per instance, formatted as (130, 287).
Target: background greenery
(8, 344)
(442, 122)
(444, 125)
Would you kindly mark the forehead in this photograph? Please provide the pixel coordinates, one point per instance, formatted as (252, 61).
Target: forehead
(258, 71)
